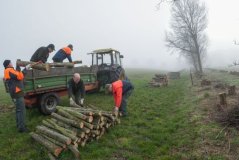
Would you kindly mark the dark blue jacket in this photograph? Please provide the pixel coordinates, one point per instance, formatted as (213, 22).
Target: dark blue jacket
(127, 85)
(61, 55)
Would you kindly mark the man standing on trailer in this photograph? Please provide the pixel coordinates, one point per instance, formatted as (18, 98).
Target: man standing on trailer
(63, 54)
(76, 90)
(41, 54)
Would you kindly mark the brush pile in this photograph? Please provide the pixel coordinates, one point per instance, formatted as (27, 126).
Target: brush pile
(70, 128)
(159, 80)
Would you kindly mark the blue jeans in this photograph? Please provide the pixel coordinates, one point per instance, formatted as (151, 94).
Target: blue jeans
(20, 112)
(123, 106)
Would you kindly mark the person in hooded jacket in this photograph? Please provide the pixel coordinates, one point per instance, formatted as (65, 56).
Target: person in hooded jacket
(41, 54)
(14, 81)
(121, 91)
(63, 54)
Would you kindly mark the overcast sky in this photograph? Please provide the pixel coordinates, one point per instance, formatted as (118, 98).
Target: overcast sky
(134, 27)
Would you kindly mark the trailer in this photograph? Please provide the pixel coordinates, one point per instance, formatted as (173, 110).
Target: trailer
(44, 88)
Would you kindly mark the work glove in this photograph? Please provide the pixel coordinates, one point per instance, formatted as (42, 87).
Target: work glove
(28, 66)
(72, 102)
(82, 101)
(18, 68)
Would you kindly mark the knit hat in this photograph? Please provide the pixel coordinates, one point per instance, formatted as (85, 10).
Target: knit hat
(6, 63)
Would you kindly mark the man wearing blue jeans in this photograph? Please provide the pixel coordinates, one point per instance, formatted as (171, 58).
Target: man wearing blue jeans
(14, 79)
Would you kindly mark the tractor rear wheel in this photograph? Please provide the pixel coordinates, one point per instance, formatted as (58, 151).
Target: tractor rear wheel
(48, 103)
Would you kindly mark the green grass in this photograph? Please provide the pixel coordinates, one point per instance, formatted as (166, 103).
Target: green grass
(160, 126)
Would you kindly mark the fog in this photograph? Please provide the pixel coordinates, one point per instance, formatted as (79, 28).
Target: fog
(134, 27)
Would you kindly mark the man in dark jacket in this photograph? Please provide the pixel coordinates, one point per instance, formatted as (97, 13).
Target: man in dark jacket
(14, 80)
(76, 90)
(63, 54)
(41, 54)
(121, 90)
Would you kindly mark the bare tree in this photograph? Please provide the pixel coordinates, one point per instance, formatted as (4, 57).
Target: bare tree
(187, 35)
(165, 1)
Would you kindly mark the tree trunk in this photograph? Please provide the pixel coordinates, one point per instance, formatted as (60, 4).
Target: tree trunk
(56, 142)
(198, 54)
(68, 121)
(63, 64)
(54, 149)
(51, 157)
(75, 151)
(223, 99)
(60, 129)
(52, 134)
(232, 90)
(34, 65)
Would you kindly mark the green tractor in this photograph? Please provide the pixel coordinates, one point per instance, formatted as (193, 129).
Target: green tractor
(107, 64)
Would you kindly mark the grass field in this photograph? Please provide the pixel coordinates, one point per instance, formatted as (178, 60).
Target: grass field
(163, 123)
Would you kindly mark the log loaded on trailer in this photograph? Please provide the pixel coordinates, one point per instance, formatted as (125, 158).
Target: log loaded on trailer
(44, 88)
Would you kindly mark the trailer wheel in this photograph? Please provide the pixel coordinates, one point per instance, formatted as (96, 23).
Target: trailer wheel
(48, 103)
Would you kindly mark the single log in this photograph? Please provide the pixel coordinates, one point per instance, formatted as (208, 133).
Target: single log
(34, 65)
(83, 142)
(56, 142)
(96, 132)
(82, 110)
(85, 111)
(88, 125)
(66, 126)
(77, 62)
(51, 157)
(81, 134)
(54, 149)
(102, 132)
(97, 137)
(63, 64)
(53, 134)
(68, 130)
(75, 151)
(232, 90)
(86, 130)
(97, 120)
(76, 114)
(67, 121)
(62, 130)
(96, 127)
(223, 98)
(71, 115)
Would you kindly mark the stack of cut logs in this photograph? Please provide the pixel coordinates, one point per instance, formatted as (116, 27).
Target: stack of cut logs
(159, 80)
(174, 75)
(71, 127)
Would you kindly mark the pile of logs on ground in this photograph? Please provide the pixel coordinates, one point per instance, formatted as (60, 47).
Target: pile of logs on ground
(205, 82)
(174, 75)
(159, 80)
(70, 128)
(234, 73)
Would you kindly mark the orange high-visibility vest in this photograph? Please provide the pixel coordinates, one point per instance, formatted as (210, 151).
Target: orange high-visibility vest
(14, 80)
(67, 50)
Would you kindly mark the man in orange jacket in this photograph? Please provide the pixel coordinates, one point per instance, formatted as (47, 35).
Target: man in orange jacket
(121, 90)
(63, 54)
(14, 79)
